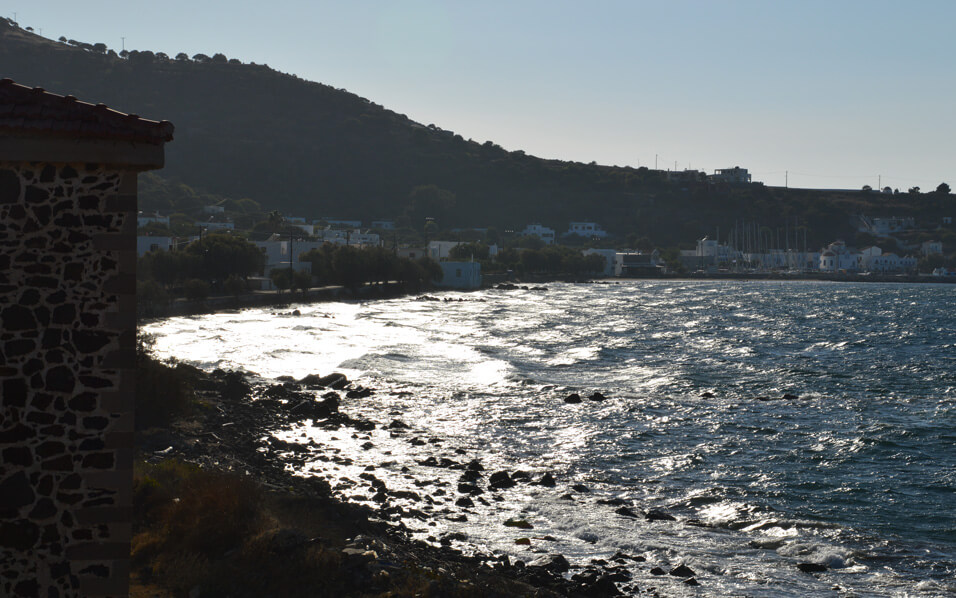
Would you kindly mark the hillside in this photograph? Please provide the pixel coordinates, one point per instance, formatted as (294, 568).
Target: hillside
(304, 148)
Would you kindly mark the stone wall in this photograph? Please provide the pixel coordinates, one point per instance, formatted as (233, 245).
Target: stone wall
(67, 352)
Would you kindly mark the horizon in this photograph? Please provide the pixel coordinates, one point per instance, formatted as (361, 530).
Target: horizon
(843, 96)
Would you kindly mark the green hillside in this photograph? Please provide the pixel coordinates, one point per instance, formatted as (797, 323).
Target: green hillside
(307, 149)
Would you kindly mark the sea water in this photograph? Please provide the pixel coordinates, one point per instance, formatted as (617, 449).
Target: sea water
(858, 472)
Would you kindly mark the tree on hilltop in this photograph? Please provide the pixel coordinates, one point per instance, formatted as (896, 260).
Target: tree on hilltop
(943, 189)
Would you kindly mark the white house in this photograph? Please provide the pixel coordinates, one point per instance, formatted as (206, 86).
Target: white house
(144, 218)
(276, 253)
(931, 248)
(586, 229)
(838, 257)
(147, 243)
(735, 175)
(874, 260)
(542, 232)
(460, 275)
(339, 222)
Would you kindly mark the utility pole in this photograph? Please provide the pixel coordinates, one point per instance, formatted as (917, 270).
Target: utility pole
(786, 179)
(655, 155)
(124, 43)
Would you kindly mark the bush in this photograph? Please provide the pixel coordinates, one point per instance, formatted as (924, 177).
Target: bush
(163, 392)
(196, 289)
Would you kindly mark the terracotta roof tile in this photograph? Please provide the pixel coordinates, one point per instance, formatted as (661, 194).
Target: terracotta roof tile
(34, 110)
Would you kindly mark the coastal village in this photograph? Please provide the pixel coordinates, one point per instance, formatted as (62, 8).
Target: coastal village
(747, 249)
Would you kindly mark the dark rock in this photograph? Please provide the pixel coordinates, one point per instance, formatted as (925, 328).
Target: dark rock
(501, 480)
(19, 535)
(707, 395)
(367, 445)
(580, 488)
(336, 381)
(469, 489)
(521, 476)
(359, 393)
(518, 523)
(547, 480)
(470, 475)
(397, 425)
(464, 501)
(790, 397)
(812, 567)
(475, 465)
(682, 571)
(614, 502)
(691, 582)
(596, 396)
(573, 398)
(655, 515)
(658, 571)
(555, 563)
(626, 512)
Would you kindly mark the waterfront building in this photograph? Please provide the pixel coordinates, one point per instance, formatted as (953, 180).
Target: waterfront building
(838, 257)
(638, 264)
(931, 248)
(460, 275)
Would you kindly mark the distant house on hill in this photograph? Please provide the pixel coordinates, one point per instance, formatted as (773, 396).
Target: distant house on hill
(735, 176)
(542, 232)
(588, 230)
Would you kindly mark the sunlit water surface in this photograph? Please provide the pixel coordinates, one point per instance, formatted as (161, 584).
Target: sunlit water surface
(859, 473)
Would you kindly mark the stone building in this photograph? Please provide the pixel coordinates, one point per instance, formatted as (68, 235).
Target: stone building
(67, 339)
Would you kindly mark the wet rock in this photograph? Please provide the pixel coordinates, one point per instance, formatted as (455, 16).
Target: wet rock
(580, 488)
(501, 480)
(656, 515)
(475, 465)
(397, 425)
(336, 381)
(626, 512)
(470, 475)
(811, 567)
(469, 489)
(573, 398)
(682, 571)
(359, 393)
(367, 445)
(464, 501)
(707, 395)
(518, 523)
(596, 396)
(521, 476)
(691, 582)
(658, 571)
(555, 563)
(547, 480)
(790, 397)
(614, 502)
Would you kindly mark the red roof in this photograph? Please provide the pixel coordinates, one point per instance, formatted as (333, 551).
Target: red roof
(36, 111)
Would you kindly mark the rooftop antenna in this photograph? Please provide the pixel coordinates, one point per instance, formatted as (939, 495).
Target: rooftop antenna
(124, 43)
(655, 155)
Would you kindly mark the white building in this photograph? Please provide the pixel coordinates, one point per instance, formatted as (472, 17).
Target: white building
(144, 218)
(838, 257)
(542, 232)
(735, 175)
(931, 248)
(441, 250)
(874, 260)
(276, 253)
(460, 275)
(147, 243)
(586, 229)
(710, 248)
(339, 222)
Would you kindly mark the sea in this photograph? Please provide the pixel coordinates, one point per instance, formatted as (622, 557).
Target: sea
(778, 422)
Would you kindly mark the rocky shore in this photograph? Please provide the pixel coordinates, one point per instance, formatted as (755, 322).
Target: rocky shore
(232, 431)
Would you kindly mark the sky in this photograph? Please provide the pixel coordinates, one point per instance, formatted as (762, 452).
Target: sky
(813, 94)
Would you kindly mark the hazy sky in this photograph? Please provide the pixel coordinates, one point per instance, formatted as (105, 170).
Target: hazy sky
(837, 92)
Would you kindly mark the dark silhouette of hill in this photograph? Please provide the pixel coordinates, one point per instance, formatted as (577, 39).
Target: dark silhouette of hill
(307, 149)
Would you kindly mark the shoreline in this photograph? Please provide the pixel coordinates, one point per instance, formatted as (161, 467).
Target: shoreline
(233, 433)
(223, 303)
